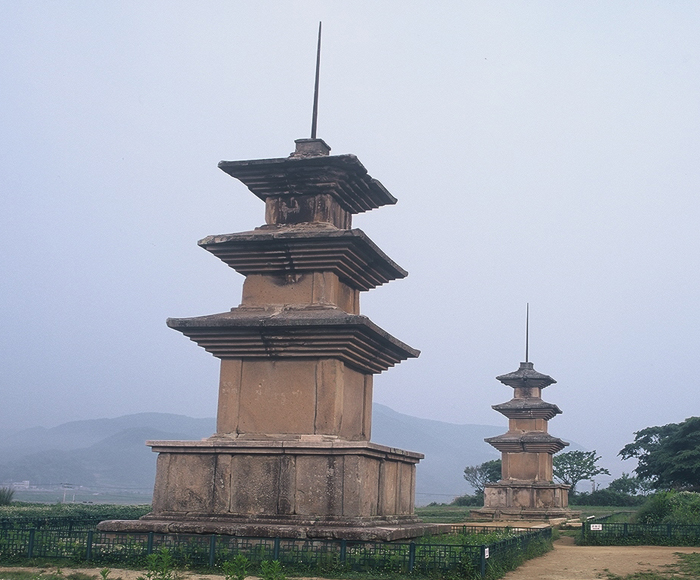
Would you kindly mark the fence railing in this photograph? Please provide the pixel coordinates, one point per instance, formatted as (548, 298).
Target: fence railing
(604, 533)
(201, 551)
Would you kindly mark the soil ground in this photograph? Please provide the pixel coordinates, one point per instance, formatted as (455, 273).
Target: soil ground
(570, 562)
(566, 562)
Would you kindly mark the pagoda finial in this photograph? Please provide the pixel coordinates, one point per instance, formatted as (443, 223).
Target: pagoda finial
(314, 116)
(527, 332)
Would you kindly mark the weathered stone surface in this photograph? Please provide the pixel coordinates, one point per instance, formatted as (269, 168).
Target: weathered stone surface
(377, 530)
(283, 251)
(300, 482)
(291, 456)
(296, 332)
(526, 489)
(294, 182)
(273, 398)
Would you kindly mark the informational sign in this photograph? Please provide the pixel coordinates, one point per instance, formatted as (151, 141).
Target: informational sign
(486, 552)
(596, 527)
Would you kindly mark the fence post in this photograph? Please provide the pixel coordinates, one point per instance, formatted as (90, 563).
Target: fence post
(483, 561)
(30, 547)
(669, 529)
(276, 553)
(625, 529)
(343, 550)
(411, 556)
(212, 550)
(88, 551)
(149, 544)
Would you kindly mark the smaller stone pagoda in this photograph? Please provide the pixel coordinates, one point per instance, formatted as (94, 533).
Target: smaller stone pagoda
(526, 489)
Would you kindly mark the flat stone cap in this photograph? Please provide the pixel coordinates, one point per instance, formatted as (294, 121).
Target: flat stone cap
(341, 176)
(534, 408)
(528, 442)
(526, 376)
(280, 250)
(296, 332)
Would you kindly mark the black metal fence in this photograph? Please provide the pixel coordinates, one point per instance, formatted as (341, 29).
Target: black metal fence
(603, 533)
(209, 551)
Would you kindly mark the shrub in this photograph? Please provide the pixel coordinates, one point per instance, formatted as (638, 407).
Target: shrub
(271, 570)
(607, 497)
(236, 569)
(6, 495)
(469, 500)
(671, 507)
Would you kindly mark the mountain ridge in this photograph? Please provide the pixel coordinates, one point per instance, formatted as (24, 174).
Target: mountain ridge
(111, 453)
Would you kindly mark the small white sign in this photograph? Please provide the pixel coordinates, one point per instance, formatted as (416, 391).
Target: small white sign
(486, 552)
(596, 527)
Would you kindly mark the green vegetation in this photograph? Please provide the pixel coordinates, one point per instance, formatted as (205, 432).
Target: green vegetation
(606, 497)
(6, 495)
(575, 466)
(671, 507)
(236, 569)
(160, 566)
(479, 475)
(271, 570)
(88, 511)
(443, 513)
(669, 455)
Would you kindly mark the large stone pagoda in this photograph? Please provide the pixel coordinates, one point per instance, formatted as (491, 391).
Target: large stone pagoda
(526, 489)
(292, 455)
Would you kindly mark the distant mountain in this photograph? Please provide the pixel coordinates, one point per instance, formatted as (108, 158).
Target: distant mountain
(110, 453)
(448, 449)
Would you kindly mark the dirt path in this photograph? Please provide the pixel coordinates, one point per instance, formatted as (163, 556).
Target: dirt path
(570, 562)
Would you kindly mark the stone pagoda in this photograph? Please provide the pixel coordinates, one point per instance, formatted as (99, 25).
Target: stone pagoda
(526, 489)
(291, 455)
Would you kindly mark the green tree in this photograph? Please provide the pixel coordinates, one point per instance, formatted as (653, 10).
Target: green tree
(574, 466)
(625, 484)
(479, 475)
(668, 455)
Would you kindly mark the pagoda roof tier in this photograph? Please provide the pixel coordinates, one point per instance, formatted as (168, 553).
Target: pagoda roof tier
(527, 442)
(341, 176)
(526, 376)
(294, 332)
(280, 250)
(528, 409)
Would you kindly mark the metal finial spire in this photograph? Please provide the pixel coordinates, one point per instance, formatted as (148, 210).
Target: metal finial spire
(527, 332)
(314, 117)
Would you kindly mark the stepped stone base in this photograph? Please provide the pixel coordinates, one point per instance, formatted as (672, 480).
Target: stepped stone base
(360, 529)
(525, 500)
(305, 486)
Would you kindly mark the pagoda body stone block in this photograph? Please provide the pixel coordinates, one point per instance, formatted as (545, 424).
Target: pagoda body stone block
(291, 455)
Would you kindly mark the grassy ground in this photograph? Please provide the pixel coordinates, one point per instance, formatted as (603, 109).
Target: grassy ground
(443, 514)
(82, 496)
(458, 514)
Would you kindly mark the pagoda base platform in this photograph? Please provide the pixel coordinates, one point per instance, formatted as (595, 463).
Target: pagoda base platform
(525, 500)
(300, 486)
(379, 529)
(515, 514)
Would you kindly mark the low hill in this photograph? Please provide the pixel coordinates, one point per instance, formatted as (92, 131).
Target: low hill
(110, 453)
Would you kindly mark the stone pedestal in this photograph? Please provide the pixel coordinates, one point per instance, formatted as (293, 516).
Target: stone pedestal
(292, 453)
(526, 489)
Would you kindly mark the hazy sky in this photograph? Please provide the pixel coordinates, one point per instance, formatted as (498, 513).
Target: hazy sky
(541, 152)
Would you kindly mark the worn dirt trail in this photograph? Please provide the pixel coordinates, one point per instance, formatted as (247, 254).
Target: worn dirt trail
(570, 562)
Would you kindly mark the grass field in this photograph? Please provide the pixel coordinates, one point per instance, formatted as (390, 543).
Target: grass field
(459, 514)
(83, 496)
